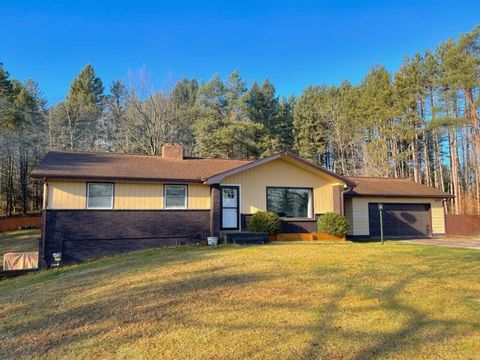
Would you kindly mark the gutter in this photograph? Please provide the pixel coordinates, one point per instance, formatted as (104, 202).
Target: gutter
(113, 179)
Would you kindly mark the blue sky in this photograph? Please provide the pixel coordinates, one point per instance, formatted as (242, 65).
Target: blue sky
(293, 43)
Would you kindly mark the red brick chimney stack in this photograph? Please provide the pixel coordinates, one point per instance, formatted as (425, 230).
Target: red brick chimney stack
(172, 152)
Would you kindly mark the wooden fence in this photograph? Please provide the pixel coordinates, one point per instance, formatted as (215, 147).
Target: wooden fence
(463, 225)
(19, 221)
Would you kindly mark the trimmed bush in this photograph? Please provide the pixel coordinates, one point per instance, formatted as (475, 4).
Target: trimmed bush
(265, 221)
(333, 224)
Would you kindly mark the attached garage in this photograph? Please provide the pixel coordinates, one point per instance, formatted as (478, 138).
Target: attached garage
(410, 210)
(400, 220)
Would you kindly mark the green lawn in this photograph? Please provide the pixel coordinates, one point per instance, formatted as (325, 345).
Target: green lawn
(18, 241)
(302, 300)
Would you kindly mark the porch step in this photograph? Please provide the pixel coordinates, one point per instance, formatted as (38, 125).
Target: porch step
(244, 237)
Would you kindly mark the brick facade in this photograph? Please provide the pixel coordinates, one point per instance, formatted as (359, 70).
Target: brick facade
(87, 234)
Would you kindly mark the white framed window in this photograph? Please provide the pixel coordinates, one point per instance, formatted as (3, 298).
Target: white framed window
(99, 196)
(175, 196)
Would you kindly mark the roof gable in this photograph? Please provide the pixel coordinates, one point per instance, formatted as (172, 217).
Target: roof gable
(286, 155)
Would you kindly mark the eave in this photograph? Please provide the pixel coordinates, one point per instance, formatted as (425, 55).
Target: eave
(39, 176)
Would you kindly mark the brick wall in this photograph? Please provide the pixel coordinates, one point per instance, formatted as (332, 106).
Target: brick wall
(87, 234)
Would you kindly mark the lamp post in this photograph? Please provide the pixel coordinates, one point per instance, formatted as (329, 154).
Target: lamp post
(380, 210)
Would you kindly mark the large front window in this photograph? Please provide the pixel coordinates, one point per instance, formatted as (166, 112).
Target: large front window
(100, 196)
(175, 196)
(290, 202)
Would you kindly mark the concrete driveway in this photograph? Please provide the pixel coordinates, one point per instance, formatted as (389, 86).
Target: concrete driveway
(451, 241)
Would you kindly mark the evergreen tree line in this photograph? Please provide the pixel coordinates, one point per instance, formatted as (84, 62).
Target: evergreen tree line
(421, 122)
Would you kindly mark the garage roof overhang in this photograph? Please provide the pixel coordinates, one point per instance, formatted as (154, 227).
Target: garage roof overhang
(350, 194)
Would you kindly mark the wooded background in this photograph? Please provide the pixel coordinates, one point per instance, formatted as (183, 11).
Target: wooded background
(421, 122)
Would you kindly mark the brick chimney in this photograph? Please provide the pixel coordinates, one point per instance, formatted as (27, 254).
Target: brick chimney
(172, 152)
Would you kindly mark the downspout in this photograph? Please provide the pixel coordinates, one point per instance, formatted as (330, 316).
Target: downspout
(45, 194)
(342, 202)
(44, 224)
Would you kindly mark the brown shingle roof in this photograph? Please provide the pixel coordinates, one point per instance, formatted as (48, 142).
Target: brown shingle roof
(391, 187)
(110, 166)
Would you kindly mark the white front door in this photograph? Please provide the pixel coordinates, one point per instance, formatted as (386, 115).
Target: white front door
(230, 207)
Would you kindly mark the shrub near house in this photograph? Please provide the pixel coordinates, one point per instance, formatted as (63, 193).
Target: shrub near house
(333, 224)
(265, 221)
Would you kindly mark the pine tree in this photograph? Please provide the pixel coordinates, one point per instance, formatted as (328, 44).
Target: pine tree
(309, 124)
(262, 105)
(7, 110)
(376, 107)
(184, 93)
(110, 135)
(222, 130)
(283, 132)
(77, 119)
(410, 102)
(235, 89)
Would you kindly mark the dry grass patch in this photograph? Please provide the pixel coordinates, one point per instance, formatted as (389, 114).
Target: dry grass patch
(286, 300)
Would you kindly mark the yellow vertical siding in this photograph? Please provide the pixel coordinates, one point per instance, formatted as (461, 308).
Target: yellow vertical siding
(253, 183)
(131, 196)
(67, 195)
(198, 196)
(127, 196)
(359, 221)
(438, 217)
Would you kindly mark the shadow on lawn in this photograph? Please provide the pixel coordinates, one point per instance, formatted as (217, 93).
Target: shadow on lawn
(149, 301)
(412, 334)
(145, 303)
(75, 276)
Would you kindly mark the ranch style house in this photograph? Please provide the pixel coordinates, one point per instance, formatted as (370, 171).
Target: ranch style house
(98, 204)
